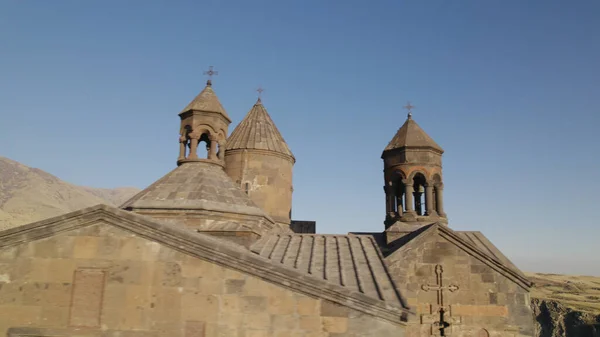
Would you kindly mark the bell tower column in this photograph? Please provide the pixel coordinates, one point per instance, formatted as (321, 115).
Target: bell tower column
(439, 194)
(194, 140)
(182, 143)
(429, 200)
(213, 148)
(410, 203)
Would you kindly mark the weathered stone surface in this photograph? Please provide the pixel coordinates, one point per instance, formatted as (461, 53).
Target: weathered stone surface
(151, 288)
(476, 293)
(260, 161)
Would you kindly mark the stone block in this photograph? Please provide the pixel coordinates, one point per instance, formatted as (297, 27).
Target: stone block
(260, 321)
(171, 274)
(10, 294)
(210, 286)
(54, 316)
(194, 329)
(230, 303)
(85, 247)
(234, 286)
(200, 307)
(330, 309)
(335, 324)
(479, 310)
(284, 322)
(125, 272)
(310, 323)
(308, 306)
(282, 305)
(488, 278)
(61, 270)
(110, 247)
(251, 304)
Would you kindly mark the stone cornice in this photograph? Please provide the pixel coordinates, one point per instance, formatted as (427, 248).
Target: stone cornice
(207, 248)
(263, 152)
(470, 249)
(448, 234)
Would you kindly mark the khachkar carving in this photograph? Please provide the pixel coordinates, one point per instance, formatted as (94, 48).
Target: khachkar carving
(440, 318)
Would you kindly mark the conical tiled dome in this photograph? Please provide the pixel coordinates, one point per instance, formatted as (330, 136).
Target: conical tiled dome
(410, 134)
(206, 101)
(257, 131)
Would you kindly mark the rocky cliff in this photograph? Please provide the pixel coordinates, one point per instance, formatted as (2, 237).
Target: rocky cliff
(566, 305)
(556, 320)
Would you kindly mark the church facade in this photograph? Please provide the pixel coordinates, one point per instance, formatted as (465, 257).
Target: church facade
(210, 249)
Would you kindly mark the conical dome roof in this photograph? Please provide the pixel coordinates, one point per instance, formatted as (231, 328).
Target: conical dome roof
(409, 135)
(257, 131)
(206, 101)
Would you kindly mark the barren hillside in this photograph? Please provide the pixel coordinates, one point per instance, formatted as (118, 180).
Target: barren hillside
(29, 194)
(566, 305)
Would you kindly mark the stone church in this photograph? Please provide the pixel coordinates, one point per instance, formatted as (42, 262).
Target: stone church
(210, 249)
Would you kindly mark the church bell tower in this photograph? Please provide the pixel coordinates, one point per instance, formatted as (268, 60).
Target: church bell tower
(203, 120)
(414, 187)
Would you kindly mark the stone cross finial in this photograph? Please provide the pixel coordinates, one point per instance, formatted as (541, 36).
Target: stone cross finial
(210, 72)
(409, 107)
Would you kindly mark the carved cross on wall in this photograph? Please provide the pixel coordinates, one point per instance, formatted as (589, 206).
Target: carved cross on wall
(440, 320)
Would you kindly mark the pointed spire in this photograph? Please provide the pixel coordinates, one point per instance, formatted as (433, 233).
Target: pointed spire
(207, 100)
(258, 131)
(410, 134)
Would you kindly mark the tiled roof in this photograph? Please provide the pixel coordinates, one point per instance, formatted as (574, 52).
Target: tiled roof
(257, 131)
(195, 186)
(410, 134)
(350, 261)
(206, 101)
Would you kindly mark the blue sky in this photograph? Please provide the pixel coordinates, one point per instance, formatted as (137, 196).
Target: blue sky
(90, 91)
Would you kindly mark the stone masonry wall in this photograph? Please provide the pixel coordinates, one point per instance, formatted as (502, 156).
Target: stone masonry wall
(218, 224)
(485, 304)
(269, 179)
(104, 281)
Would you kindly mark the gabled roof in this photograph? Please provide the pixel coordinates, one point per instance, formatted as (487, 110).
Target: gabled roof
(208, 248)
(195, 186)
(473, 243)
(206, 101)
(351, 261)
(257, 131)
(410, 135)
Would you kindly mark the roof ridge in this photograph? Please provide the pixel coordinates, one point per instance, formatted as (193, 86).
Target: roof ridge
(257, 130)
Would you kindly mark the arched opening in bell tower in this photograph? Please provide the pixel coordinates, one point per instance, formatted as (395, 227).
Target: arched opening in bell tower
(205, 147)
(419, 183)
(399, 199)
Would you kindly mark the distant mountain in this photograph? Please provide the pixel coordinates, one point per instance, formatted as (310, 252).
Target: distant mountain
(29, 194)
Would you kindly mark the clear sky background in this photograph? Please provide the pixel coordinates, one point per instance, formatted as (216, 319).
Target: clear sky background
(90, 92)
